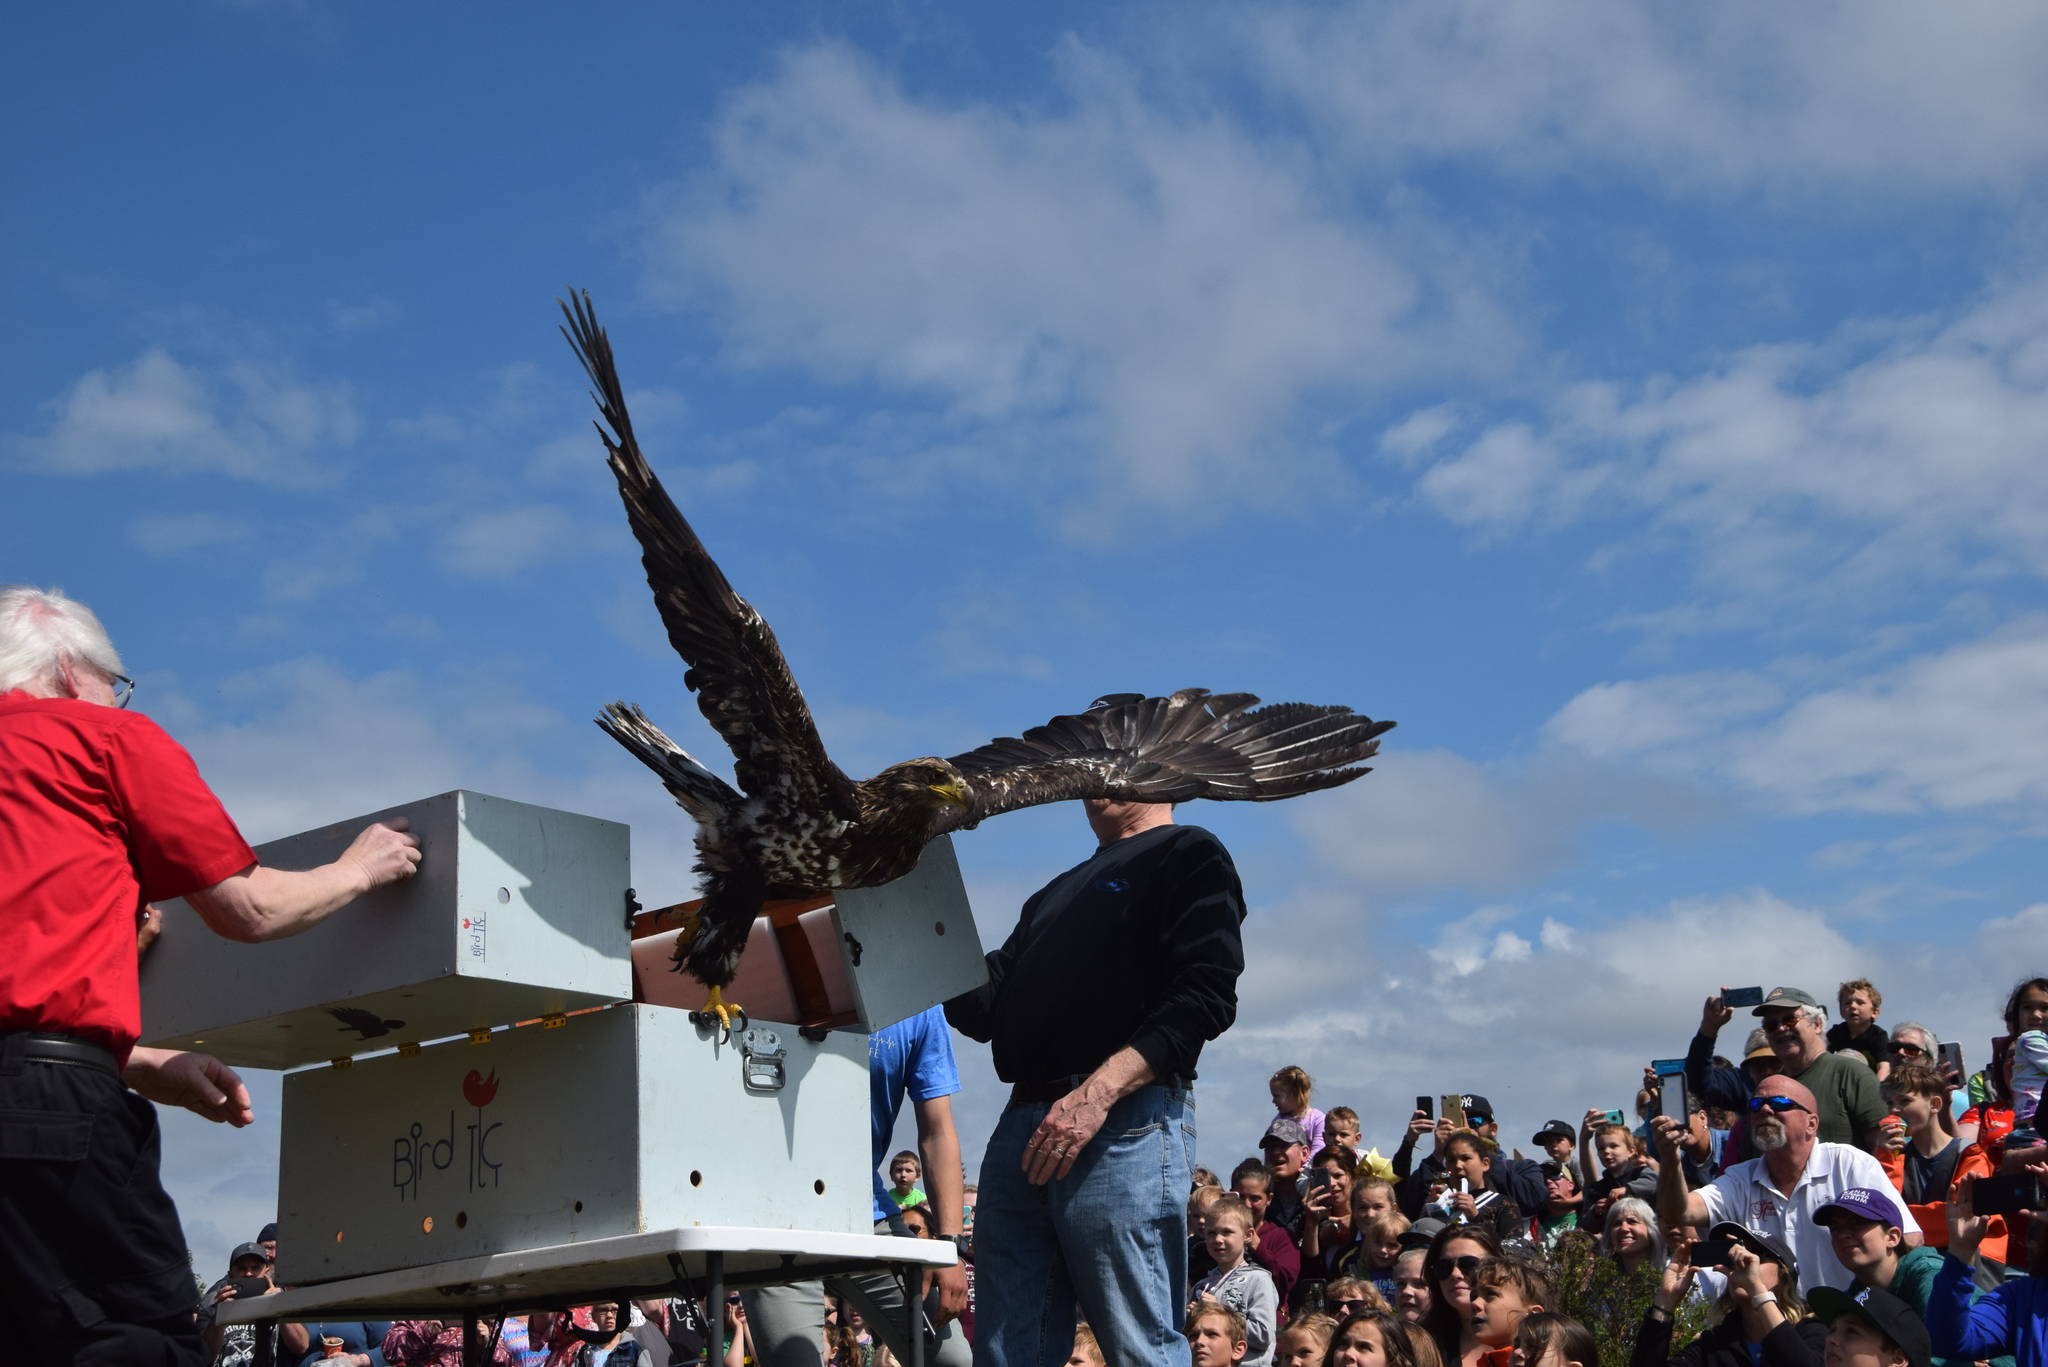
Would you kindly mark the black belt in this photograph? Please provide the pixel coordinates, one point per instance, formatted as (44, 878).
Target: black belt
(1045, 1093)
(64, 1049)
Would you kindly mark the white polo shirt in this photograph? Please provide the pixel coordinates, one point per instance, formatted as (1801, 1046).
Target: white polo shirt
(1746, 1195)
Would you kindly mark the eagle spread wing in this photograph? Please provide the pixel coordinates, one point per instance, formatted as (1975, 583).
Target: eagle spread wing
(1193, 744)
(743, 685)
(797, 825)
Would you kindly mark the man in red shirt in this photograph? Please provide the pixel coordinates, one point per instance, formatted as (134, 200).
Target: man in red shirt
(100, 814)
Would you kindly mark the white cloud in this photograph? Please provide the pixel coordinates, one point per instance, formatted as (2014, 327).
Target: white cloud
(1960, 729)
(1428, 820)
(246, 419)
(1898, 447)
(176, 533)
(1179, 285)
(508, 541)
(1897, 97)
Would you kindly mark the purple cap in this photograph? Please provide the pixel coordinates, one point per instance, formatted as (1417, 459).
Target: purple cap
(1863, 1203)
(1284, 1131)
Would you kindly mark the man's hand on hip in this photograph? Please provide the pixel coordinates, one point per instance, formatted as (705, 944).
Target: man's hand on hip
(1057, 1143)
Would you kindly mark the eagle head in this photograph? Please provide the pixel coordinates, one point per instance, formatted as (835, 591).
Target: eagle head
(924, 787)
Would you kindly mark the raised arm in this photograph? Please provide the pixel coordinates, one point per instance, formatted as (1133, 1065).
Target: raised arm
(260, 903)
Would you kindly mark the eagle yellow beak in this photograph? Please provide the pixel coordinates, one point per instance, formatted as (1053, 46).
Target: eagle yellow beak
(952, 790)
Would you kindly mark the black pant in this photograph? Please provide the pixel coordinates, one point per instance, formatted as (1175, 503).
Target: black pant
(93, 1265)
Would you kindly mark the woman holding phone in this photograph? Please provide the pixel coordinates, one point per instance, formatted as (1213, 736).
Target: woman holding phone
(1766, 1322)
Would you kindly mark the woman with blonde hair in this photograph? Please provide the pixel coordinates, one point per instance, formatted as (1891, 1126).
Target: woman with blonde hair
(1766, 1322)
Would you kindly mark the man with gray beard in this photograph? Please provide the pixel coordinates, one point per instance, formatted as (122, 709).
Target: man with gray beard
(1777, 1193)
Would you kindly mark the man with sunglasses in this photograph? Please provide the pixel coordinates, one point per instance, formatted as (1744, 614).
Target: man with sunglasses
(100, 814)
(1778, 1193)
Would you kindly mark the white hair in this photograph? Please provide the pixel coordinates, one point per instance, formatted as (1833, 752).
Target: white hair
(1928, 1039)
(1647, 1213)
(40, 629)
(1817, 1014)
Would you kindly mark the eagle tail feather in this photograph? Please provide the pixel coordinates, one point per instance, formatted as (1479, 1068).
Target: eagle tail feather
(701, 793)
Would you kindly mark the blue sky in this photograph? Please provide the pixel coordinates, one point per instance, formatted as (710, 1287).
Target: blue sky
(1643, 408)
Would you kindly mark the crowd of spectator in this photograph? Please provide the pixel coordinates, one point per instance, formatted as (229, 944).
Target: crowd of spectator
(1841, 1196)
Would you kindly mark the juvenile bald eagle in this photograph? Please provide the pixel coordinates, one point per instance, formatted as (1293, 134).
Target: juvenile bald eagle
(796, 826)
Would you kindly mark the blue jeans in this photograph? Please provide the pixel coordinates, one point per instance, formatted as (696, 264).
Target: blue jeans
(1110, 1237)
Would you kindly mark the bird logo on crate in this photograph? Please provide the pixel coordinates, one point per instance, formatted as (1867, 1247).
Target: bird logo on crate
(413, 1155)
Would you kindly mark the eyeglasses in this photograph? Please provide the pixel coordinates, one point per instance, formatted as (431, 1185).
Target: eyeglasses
(1466, 1265)
(1901, 1047)
(124, 689)
(1350, 1305)
(1779, 1104)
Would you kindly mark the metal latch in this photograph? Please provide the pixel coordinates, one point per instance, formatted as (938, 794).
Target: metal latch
(761, 1060)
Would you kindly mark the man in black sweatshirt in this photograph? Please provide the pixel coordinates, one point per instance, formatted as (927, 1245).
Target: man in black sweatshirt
(1096, 1008)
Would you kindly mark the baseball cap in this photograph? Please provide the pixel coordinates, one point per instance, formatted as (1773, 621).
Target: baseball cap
(1763, 1245)
(1284, 1131)
(1889, 1315)
(1423, 1232)
(1864, 1204)
(1758, 1046)
(1560, 1128)
(1785, 996)
(1478, 1110)
(251, 1250)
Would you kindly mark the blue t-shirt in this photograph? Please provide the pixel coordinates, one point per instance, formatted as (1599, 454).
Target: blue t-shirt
(911, 1058)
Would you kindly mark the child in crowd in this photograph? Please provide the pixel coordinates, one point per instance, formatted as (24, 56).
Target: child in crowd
(1624, 1169)
(1305, 1342)
(1509, 1291)
(1341, 1130)
(2029, 1072)
(1858, 1029)
(1921, 1158)
(1290, 1089)
(1371, 1197)
(1560, 1143)
(1548, 1340)
(904, 1170)
(1379, 1245)
(1087, 1352)
(1236, 1283)
(1200, 1200)
(1217, 1337)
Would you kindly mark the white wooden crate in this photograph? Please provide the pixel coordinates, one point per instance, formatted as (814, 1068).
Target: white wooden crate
(619, 1121)
(516, 912)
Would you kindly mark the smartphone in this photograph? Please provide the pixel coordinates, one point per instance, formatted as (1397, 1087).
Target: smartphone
(1316, 1179)
(1671, 1098)
(1614, 1118)
(1743, 996)
(1454, 1109)
(2006, 1195)
(1668, 1067)
(249, 1288)
(1951, 1056)
(1426, 1105)
(1713, 1253)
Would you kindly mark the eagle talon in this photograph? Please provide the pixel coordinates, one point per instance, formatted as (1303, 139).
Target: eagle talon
(717, 1010)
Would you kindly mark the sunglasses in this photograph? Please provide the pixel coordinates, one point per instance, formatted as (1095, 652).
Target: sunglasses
(1346, 1307)
(1466, 1265)
(1912, 1050)
(1779, 1104)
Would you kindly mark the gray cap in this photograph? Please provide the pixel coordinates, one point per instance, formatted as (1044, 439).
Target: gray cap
(247, 1251)
(1786, 996)
(1284, 1131)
